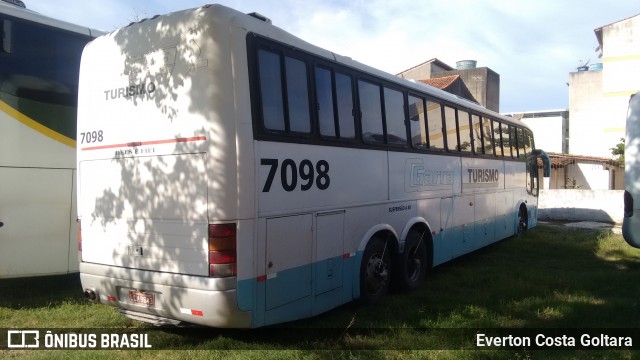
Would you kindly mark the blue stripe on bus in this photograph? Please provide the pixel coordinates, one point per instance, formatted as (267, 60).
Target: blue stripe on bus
(321, 293)
(289, 302)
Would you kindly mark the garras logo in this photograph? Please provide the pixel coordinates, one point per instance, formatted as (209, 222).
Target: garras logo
(130, 91)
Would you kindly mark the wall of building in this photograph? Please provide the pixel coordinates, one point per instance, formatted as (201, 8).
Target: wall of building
(584, 205)
(598, 100)
(483, 83)
(588, 115)
(621, 57)
(550, 129)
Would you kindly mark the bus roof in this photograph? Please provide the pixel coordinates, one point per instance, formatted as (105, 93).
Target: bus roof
(263, 26)
(30, 15)
(259, 24)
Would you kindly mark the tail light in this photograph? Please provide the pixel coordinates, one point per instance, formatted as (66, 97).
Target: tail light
(628, 204)
(222, 250)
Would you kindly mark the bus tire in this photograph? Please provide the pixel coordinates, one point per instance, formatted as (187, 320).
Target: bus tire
(413, 262)
(523, 220)
(375, 271)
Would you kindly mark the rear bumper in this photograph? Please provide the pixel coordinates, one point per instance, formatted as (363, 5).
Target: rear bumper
(194, 299)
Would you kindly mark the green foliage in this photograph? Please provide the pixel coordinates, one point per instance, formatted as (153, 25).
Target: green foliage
(618, 151)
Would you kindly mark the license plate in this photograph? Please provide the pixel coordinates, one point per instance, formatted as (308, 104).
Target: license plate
(142, 298)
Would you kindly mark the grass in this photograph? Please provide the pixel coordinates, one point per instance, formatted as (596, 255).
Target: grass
(549, 278)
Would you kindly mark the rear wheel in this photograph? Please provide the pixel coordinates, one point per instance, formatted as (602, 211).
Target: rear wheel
(375, 271)
(413, 262)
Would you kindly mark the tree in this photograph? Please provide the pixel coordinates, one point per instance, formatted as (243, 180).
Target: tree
(618, 151)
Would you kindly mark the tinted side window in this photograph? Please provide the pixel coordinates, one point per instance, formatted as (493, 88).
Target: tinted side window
(344, 99)
(271, 90)
(324, 98)
(522, 152)
(465, 131)
(297, 95)
(506, 140)
(394, 117)
(295, 117)
(476, 130)
(529, 145)
(487, 136)
(371, 111)
(451, 128)
(497, 138)
(434, 120)
(417, 122)
(39, 70)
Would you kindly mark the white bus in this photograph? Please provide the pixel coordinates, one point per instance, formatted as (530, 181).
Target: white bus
(39, 65)
(631, 220)
(233, 175)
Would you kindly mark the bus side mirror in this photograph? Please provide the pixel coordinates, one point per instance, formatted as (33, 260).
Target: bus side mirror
(546, 163)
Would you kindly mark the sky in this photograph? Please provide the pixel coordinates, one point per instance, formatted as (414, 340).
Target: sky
(532, 45)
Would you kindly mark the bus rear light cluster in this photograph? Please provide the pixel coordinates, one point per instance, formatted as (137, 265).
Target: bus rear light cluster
(222, 250)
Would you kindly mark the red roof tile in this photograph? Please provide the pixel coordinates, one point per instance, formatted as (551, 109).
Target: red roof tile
(441, 82)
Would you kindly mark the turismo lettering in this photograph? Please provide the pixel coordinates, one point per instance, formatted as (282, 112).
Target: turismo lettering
(130, 91)
(483, 175)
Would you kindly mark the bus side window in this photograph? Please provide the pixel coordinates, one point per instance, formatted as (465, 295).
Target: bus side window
(417, 122)
(506, 140)
(465, 131)
(344, 102)
(521, 150)
(6, 36)
(297, 95)
(371, 113)
(487, 136)
(434, 129)
(497, 138)
(271, 90)
(528, 145)
(296, 118)
(394, 117)
(324, 98)
(451, 129)
(476, 133)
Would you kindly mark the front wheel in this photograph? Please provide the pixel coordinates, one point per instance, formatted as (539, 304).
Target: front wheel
(523, 221)
(375, 271)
